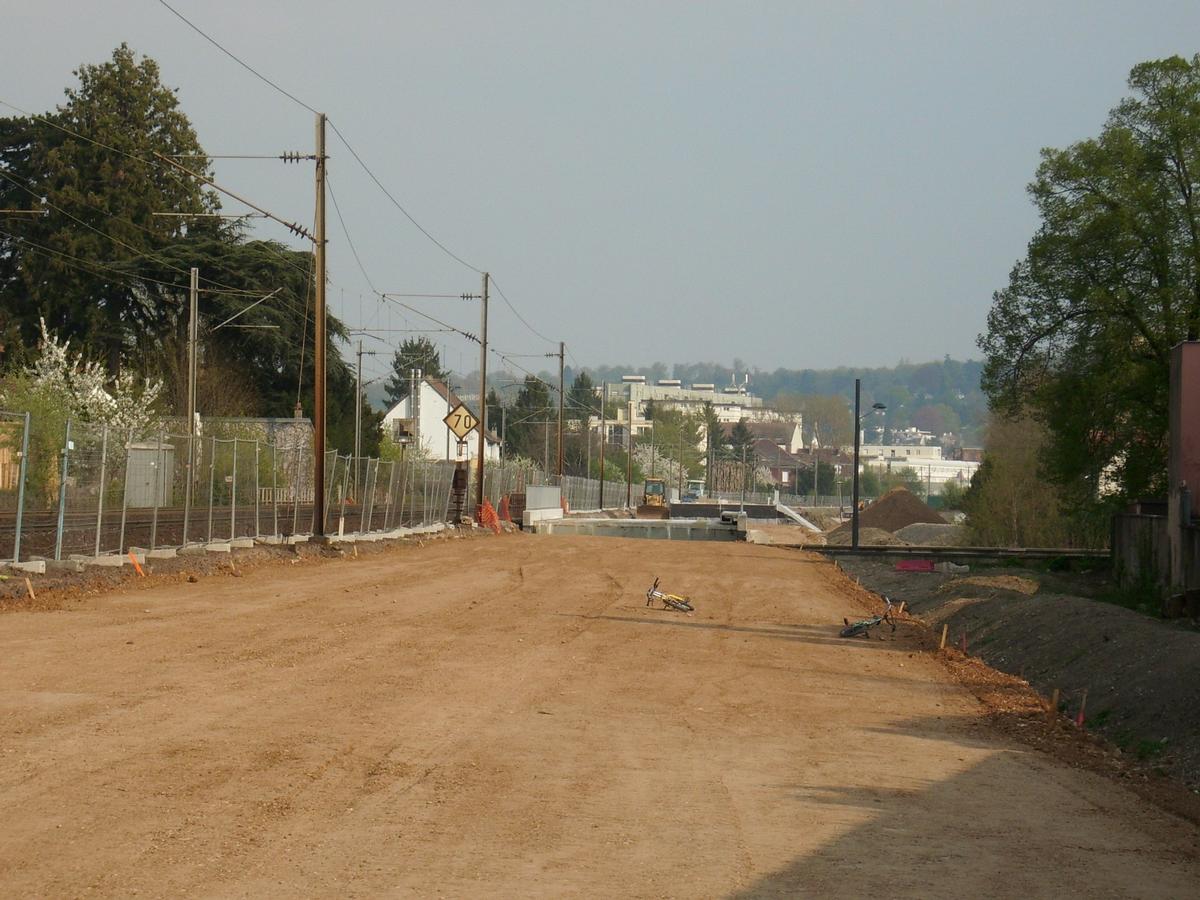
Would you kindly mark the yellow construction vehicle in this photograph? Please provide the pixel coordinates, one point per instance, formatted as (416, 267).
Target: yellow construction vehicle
(654, 500)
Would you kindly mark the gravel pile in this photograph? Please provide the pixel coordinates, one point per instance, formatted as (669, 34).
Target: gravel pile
(927, 534)
(841, 537)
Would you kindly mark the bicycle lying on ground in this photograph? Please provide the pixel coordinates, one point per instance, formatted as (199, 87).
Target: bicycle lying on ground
(864, 626)
(673, 601)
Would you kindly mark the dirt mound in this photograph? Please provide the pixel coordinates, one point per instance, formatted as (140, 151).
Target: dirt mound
(927, 534)
(897, 508)
(1026, 586)
(841, 537)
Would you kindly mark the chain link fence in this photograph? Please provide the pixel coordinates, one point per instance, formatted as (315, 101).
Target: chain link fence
(81, 489)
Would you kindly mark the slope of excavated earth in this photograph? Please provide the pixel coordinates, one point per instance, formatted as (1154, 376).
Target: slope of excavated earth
(1141, 675)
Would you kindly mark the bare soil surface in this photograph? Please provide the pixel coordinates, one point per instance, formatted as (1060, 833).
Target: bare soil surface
(1141, 675)
(505, 717)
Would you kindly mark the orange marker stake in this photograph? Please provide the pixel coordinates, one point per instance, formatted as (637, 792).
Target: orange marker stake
(133, 559)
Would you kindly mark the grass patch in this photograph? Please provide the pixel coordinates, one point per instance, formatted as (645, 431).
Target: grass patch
(1149, 749)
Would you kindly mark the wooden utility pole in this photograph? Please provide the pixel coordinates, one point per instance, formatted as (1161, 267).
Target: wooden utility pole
(603, 437)
(483, 324)
(319, 341)
(562, 394)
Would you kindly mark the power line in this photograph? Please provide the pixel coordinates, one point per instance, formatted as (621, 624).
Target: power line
(346, 231)
(357, 159)
(244, 65)
(508, 302)
(146, 162)
(229, 289)
(421, 228)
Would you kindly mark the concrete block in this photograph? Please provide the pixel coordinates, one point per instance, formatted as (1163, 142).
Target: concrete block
(64, 565)
(192, 550)
(139, 553)
(534, 516)
(244, 543)
(111, 560)
(218, 547)
(162, 553)
(32, 566)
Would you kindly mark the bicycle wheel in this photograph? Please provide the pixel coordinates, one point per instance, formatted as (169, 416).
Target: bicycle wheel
(677, 604)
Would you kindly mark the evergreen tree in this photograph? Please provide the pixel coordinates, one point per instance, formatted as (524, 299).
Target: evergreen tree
(414, 353)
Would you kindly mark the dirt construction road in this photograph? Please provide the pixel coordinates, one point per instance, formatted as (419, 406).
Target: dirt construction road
(503, 717)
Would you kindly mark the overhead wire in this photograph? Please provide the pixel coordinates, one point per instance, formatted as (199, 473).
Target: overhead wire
(362, 163)
(231, 55)
(169, 171)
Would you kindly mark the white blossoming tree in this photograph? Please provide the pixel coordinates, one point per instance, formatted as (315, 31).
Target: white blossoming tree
(58, 386)
(126, 404)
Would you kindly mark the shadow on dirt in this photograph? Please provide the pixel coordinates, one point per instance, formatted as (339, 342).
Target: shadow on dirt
(1138, 673)
(880, 639)
(980, 832)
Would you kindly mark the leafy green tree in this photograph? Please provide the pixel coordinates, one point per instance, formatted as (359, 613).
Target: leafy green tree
(830, 417)
(1009, 502)
(1080, 338)
(414, 353)
(91, 166)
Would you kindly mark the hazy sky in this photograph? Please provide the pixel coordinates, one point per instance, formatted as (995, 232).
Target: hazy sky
(793, 184)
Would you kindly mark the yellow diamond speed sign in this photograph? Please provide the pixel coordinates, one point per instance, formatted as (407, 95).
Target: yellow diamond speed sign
(460, 421)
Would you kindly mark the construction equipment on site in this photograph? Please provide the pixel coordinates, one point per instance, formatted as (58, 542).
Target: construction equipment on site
(654, 500)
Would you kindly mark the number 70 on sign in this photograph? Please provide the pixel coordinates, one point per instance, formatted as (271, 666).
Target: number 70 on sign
(460, 421)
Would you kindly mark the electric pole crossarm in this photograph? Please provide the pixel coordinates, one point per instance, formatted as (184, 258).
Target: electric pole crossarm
(290, 226)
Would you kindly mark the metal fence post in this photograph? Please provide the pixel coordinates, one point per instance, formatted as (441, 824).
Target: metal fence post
(100, 493)
(233, 495)
(212, 471)
(257, 528)
(21, 469)
(158, 485)
(296, 490)
(62, 492)
(274, 491)
(125, 489)
(345, 491)
(190, 473)
(403, 485)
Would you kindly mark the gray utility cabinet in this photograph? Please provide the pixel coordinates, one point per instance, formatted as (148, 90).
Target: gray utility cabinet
(150, 475)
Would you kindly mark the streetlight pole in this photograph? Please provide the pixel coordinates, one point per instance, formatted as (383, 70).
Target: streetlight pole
(879, 408)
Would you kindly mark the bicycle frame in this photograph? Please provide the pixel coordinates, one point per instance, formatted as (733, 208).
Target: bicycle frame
(864, 626)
